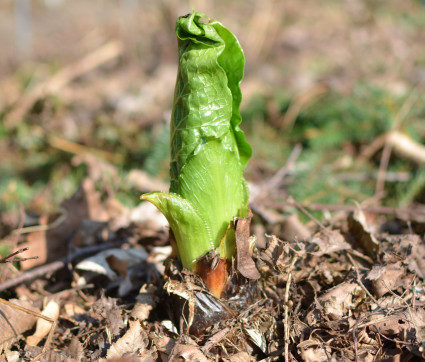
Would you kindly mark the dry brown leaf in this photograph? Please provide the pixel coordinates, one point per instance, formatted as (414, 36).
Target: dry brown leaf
(241, 357)
(359, 228)
(133, 342)
(51, 245)
(245, 264)
(75, 350)
(386, 278)
(188, 353)
(107, 308)
(71, 309)
(14, 322)
(145, 303)
(337, 302)
(314, 350)
(329, 241)
(408, 326)
(43, 326)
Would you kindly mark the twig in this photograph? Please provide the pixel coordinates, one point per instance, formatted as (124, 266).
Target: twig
(286, 308)
(8, 259)
(360, 282)
(56, 265)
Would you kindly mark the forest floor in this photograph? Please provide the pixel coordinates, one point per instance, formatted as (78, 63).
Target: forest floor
(334, 110)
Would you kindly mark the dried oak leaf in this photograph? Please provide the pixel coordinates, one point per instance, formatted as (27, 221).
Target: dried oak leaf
(245, 264)
(107, 309)
(336, 302)
(14, 322)
(188, 353)
(409, 248)
(133, 342)
(386, 278)
(408, 326)
(360, 229)
(329, 241)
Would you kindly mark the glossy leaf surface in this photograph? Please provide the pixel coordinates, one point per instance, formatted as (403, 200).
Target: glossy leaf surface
(208, 150)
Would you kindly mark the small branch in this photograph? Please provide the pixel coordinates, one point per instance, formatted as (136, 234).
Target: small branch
(286, 308)
(54, 266)
(8, 259)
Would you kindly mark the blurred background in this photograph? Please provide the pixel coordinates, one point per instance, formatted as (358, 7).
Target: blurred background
(333, 101)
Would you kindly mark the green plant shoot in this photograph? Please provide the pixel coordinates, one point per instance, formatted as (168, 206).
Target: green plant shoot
(208, 150)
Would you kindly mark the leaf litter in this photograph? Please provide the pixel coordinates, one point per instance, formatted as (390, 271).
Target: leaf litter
(347, 292)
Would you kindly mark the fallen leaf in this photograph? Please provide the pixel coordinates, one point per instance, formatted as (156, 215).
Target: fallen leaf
(241, 357)
(337, 302)
(329, 241)
(14, 322)
(133, 342)
(359, 228)
(145, 303)
(244, 262)
(386, 278)
(113, 262)
(43, 326)
(107, 308)
(51, 244)
(188, 353)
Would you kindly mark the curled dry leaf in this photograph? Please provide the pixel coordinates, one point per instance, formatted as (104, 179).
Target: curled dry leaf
(359, 228)
(337, 302)
(43, 326)
(314, 350)
(386, 278)
(114, 263)
(245, 264)
(133, 342)
(145, 303)
(329, 241)
(408, 326)
(188, 353)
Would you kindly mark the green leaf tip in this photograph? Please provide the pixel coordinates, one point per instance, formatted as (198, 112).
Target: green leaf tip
(208, 149)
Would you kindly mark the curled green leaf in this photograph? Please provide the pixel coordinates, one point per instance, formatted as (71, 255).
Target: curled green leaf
(208, 150)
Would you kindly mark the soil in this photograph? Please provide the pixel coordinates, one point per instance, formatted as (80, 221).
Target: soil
(348, 292)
